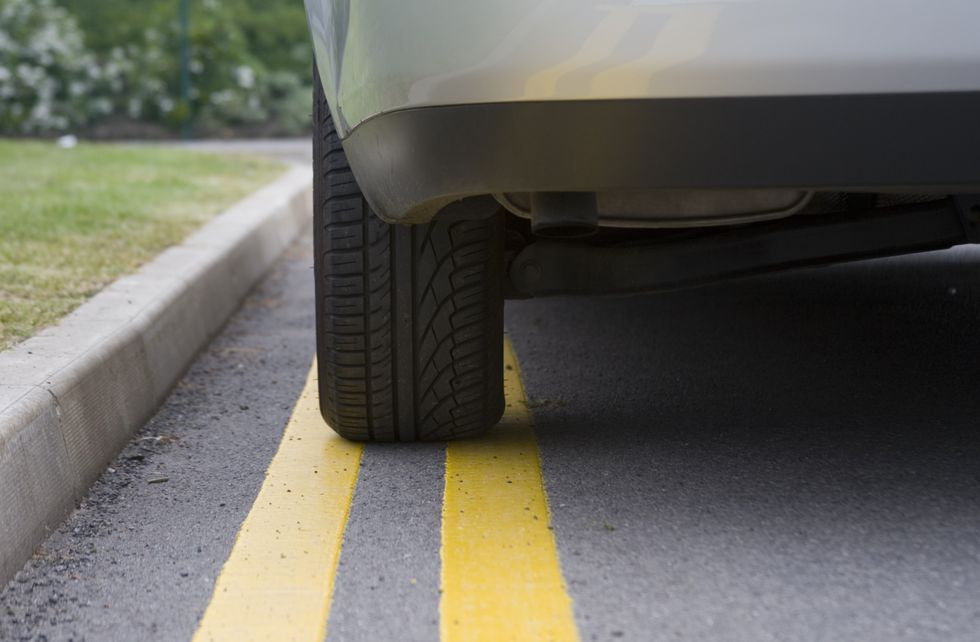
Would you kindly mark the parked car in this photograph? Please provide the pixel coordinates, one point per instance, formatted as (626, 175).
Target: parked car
(467, 152)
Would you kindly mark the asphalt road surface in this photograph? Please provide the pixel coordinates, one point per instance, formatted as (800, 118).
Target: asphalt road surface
(786, 458)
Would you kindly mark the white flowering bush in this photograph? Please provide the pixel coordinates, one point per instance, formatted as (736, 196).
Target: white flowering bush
(50, 82)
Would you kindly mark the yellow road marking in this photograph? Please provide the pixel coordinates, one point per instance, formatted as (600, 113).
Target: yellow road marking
(278, 581)
(501, 577)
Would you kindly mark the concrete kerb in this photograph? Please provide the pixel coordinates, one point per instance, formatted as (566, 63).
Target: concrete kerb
(72, 396)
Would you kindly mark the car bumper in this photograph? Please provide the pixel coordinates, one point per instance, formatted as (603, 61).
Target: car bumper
(410, 163)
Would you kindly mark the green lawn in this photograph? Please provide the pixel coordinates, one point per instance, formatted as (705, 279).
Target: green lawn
(71, 221)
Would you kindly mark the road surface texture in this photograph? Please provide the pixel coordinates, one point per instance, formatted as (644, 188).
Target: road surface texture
(794, 457)
(790, 458)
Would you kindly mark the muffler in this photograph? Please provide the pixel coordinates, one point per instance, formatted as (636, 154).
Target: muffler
(564, 215)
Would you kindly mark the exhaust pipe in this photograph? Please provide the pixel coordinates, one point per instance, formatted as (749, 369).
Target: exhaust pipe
(564, 215)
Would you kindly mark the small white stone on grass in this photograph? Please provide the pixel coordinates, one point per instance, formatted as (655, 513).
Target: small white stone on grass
(68, 142)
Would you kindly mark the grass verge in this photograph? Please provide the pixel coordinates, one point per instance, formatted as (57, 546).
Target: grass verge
(72, 221)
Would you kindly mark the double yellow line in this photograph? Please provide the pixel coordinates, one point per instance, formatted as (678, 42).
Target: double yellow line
(501, 577)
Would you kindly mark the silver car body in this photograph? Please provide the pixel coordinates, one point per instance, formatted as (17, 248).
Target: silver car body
(378, 57)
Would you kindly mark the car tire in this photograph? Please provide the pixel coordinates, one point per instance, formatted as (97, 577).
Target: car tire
(409, 319)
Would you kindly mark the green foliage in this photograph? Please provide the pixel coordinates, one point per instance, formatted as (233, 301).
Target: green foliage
(115, 23)
(250, 64)
(274, 31)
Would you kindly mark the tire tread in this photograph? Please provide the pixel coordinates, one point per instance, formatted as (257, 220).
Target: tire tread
(454, 358)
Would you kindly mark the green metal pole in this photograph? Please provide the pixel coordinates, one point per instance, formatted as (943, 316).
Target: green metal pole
(185, 67)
